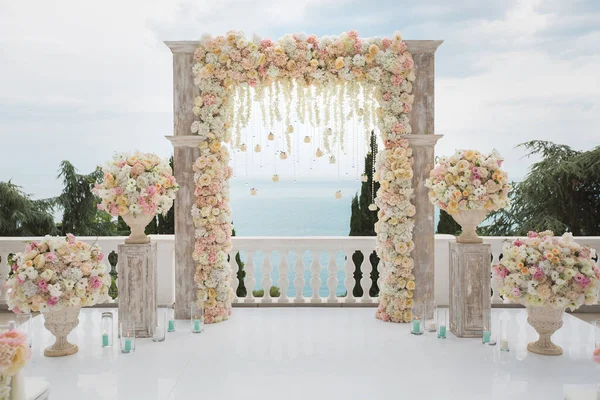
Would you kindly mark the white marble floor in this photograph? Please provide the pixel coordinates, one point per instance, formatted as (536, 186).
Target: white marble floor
(315, 353)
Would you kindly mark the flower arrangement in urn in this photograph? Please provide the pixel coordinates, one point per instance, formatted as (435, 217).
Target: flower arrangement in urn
(57, 276)
(14, 353)
(547, 274)
(137, 186)
(468, 185)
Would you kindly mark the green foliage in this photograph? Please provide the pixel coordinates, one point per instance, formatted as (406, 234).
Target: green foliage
(78, 203)
(561, 192)
(447, 224)
(362, 221)
(22, 216)
(275, 292)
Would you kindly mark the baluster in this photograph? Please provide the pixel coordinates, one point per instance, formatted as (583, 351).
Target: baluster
(235, 282)
(299, 281)
(249, 281)
(332, 280)
(366, 268)
(494, 284)
(266, 281)
(349, 279)
(315, 280)
(283, 277)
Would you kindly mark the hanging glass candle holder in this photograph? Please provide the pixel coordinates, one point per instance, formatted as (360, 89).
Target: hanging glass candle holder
(271, 136)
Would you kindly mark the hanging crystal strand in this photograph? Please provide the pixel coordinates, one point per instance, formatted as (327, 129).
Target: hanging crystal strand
(373, 206)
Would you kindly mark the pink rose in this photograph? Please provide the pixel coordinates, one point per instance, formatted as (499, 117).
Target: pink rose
(52, 301)
(539, 274)
(516, 292)
(70, 238)
(43, 285)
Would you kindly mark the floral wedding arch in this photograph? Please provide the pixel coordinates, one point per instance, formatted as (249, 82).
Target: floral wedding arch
(228, 70)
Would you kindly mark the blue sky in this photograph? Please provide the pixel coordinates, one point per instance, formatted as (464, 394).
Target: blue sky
(80, 80)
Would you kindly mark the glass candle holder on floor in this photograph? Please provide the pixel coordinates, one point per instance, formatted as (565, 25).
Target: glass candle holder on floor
(171, 317)
(107, 329)
(442, 322)
(197, 317)
(416, 325)
(504, 344)
(24, 325)
(487, 329)
(160, 329)
(430, 318)
(127, 331)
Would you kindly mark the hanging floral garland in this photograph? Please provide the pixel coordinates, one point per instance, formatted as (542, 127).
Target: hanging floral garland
(374, 75)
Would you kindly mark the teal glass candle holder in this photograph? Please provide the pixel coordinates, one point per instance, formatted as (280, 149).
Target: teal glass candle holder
(171, 318)
(107, 329)
(416, 324)
(127, 339)
(442, 323)
(197, 316)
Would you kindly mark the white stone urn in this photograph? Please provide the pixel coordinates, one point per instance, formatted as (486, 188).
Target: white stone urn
(469, 220)
(546, 321)
(138, 225)
(60, 323)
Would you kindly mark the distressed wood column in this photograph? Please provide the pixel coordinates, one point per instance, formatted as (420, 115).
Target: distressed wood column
(186, 151)
(422, 141)
(423, 147)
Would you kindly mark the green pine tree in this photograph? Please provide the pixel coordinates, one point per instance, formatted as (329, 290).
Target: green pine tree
(362, 221)
(447, 224)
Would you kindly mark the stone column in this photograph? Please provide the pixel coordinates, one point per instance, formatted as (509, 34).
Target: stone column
(137, 287)
(470, 294)
(424, 230)
(422, 141)
(185, 153)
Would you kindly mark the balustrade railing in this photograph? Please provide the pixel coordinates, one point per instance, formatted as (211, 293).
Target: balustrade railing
(292, 270)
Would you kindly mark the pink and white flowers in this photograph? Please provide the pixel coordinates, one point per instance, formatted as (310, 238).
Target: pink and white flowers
(14, 353)
(55, 273)
(136, 183)
(545, 270)
(375, 75)
(469, 180)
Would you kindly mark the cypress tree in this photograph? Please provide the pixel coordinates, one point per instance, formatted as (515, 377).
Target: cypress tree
(362, 220)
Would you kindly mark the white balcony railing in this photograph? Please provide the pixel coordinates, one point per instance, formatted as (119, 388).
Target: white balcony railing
(306, 270)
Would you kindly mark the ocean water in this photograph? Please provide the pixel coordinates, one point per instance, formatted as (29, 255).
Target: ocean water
(305, 208)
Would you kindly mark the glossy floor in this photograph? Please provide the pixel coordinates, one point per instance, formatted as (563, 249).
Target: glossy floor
(316, 353)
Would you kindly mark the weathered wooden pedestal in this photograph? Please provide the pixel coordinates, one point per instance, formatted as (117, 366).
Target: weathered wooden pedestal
(137, 287)
(469, 288)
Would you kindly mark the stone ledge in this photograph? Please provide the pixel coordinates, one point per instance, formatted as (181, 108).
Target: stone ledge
(414, 46)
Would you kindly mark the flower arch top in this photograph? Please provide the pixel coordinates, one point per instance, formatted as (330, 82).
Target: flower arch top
(225, 63)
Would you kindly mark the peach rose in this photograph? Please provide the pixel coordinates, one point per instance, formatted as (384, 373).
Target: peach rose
(339, 63)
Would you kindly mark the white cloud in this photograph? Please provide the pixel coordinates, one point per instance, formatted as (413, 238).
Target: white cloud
(82, 79)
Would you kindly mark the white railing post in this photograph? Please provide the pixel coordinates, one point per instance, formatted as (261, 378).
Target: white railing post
(267, 281)
(366, 268)
(283, 277)
(235, 282)
(332, 280)
(349, 279)
(249, 281)
(315, 280)
(299, 281)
